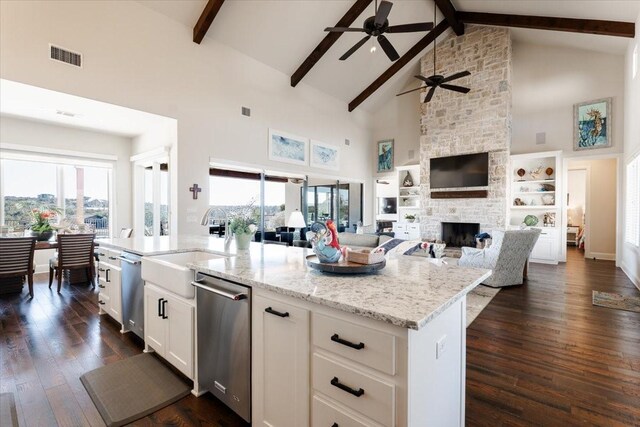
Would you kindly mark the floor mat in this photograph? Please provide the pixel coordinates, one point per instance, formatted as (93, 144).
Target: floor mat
(132, 388)
(617, 301)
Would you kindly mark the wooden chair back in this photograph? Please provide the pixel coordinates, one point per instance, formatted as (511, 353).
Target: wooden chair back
(75, 250)
(16, 256)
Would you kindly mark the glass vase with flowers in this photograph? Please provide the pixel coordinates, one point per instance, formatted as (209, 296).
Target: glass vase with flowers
(41, 227)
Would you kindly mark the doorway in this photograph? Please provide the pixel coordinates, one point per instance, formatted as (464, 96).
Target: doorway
(591, 207)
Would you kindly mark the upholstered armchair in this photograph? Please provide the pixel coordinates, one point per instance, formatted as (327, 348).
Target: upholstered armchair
(507, 256)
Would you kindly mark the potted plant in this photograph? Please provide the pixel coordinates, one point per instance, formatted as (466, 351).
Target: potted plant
(243, 227)
(410, 217)
(41, 228)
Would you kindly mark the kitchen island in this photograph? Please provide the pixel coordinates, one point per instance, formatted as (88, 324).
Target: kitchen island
(384, 349)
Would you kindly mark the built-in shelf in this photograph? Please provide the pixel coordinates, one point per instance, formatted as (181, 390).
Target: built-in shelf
(537, 181)
(545, 207)
(410, 196)
(533, 192)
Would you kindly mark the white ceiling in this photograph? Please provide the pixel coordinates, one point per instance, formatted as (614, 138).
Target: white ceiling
(34, 103)
(281, 33)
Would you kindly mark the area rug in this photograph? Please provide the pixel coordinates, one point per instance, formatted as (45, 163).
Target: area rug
(478, 299)
(617, 301)
(8, 414)
(132, 388)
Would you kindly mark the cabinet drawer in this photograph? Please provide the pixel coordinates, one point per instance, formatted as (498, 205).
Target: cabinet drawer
(356, 390)
(103, 301)
(325, 414)
(413, 227)
(359, 343)
(399, 227)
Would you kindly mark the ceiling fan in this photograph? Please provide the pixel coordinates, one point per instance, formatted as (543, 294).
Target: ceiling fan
(376, 26)
(436, 80)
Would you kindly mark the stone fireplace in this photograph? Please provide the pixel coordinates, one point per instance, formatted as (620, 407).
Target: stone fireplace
(459, 234)
(480, 121)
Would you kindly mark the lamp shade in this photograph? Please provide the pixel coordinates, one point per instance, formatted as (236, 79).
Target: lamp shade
(296, 220)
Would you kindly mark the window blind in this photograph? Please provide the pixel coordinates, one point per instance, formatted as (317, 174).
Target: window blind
(632, 223)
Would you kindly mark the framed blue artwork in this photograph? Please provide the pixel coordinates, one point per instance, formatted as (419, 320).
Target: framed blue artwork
(592, 124)
(385, 156)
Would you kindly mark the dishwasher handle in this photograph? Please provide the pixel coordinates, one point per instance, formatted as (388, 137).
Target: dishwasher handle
(130, 261)
(221, 292)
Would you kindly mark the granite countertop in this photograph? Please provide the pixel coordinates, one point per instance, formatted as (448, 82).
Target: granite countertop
(409, 292)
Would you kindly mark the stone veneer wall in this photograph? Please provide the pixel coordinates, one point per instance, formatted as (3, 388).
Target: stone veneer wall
(480, 121)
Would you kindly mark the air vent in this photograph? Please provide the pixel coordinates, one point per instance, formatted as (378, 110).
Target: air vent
(246, 111)
(347, 142)
(63, 55)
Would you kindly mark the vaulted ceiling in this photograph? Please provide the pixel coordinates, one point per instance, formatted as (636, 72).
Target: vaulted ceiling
(281, 34)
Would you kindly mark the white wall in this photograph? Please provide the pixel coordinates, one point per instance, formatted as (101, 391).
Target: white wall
(548, 81)
(141, 59)
(577, 190)
(630, 262)
(600, 207)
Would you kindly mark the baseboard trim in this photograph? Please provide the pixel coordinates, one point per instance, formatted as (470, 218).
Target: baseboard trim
(601, 255)
(42, 268)
(635, 280)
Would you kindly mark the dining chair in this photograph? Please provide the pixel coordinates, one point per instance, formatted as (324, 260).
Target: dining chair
(75, 251)
(16, 258)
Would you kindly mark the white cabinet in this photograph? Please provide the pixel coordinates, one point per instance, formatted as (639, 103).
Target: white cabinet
(406, 231)
(280, 359)
(110, 288)
(547, 247)
(169, 327)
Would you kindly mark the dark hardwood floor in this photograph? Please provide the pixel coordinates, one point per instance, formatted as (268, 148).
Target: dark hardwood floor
(542, 354)
(539, 354)
(47, 342)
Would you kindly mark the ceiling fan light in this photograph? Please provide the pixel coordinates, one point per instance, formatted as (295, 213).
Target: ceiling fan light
(373, 49)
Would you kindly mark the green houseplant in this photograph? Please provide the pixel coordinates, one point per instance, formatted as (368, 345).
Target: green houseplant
(243, 227)
(41, 228)
(410, 217)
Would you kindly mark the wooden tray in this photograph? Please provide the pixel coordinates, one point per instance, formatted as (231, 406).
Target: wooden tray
(343, 266)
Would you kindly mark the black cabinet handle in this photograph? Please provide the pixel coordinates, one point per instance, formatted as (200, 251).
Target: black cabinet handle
(160, 306)
(101, 269)
(336, 338)
(336, 383)
(113, 258)
(277, 313)
(101, 302)
(164, 309)
(102, 286)
(106, 275)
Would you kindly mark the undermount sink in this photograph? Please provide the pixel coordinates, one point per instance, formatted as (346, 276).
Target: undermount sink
(170, 271)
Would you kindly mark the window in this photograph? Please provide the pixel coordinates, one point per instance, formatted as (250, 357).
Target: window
(80, 191)
(632, 223)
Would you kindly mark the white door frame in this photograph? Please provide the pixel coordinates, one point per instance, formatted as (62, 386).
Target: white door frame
(619, 157)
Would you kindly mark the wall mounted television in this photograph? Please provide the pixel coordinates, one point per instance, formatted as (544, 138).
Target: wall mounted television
(469, 170)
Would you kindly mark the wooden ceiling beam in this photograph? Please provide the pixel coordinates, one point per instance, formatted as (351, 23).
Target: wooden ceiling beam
(206, 19)
(449, 12)
(585, 26)
(397, 66)
(356, 10)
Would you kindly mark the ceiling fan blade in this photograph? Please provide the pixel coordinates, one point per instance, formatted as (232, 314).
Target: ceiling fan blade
(456, 76)
(412, 90)
(343, 30)
(410, 28)
(382, 13)
(455, 88)
(354, 48)
(430, 94)
(388, 48)
(427, 80)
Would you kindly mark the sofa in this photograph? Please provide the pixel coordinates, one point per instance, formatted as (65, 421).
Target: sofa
(362, 241)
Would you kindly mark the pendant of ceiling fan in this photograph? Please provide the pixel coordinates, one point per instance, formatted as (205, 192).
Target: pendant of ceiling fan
(376, 26)
(436, 80)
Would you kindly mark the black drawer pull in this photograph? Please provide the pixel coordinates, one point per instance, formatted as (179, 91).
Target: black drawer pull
(277, 313)
(164, 309)
(101, 269)
(113, 258)
(106, 275)
(101, 286)
(101, 302)
(336, 383)
(160, 306)
(336, 338)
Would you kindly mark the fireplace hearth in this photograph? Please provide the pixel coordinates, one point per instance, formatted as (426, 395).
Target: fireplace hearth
(459, 234)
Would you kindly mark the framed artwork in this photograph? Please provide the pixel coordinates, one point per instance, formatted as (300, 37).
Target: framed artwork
(288, 148)
(592, 124)
(385, 155)
(324, 156)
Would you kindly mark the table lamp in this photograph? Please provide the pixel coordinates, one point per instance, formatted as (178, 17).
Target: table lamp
(296, 221)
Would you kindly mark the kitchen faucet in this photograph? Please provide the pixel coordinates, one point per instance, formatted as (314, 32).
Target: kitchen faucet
(227, 232)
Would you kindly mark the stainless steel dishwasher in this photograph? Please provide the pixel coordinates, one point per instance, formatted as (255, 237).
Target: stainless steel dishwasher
(132, 293)
(224, 341)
